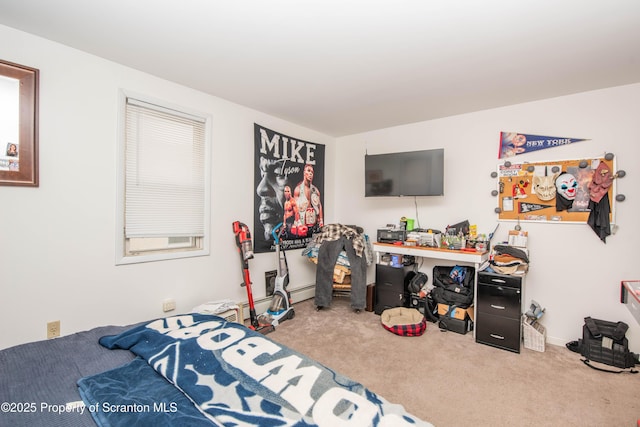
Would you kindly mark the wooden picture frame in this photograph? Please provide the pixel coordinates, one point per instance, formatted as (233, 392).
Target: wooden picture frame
(19, 126)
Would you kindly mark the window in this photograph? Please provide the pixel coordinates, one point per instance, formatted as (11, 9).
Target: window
(164, 189)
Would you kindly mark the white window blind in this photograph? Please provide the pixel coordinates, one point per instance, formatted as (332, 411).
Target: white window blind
(164, 172)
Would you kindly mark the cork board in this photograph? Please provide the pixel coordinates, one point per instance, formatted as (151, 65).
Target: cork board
(527, 191)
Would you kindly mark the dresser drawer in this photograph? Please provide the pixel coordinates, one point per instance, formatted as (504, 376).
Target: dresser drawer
(500, 279)
(498, 331)
(499, 301)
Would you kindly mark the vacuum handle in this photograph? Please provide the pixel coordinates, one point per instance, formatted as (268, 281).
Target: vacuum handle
(276, 232)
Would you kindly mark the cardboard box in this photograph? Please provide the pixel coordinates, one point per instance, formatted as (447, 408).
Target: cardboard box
(457, 313)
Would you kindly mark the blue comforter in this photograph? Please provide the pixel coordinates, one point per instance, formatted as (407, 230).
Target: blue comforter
(198, 369)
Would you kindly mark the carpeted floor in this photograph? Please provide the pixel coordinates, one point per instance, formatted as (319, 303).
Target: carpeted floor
(450, 380)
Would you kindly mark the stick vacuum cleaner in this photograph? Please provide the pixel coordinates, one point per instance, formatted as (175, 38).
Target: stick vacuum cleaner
(281, 307)
(245, 249)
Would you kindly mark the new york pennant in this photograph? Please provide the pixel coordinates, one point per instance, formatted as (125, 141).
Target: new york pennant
(513, 143)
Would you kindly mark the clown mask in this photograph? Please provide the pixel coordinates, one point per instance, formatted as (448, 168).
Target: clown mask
(567, 186)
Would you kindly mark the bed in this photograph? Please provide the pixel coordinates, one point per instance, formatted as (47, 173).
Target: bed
(185, 370)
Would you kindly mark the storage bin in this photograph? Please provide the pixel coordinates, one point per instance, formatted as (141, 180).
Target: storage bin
(534, 335)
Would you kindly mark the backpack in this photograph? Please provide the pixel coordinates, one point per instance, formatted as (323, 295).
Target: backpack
(453, 285)
(605, 342)
(415, 281)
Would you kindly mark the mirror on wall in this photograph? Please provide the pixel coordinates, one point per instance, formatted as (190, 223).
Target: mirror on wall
(18, 125)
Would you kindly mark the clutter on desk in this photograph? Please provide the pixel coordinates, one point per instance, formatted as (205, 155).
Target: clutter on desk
(406, 223)
(460, 228)
(453, 241)
(429, 238)
(457, 237)
(465, 236)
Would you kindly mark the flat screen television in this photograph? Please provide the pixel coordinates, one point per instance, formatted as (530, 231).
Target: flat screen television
(409, 173)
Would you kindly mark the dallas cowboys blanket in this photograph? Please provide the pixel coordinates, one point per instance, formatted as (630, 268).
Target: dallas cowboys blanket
(202, 370)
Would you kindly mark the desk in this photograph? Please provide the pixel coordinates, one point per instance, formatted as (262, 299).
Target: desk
(457, 256)
(630, 295)
(475, 258)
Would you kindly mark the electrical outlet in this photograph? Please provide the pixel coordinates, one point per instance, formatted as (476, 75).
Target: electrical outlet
(53, 329)
(168, 305)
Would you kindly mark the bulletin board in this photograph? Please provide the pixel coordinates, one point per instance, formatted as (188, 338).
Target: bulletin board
(534, 191)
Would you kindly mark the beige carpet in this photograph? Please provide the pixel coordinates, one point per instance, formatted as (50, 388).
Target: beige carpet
(449, 380)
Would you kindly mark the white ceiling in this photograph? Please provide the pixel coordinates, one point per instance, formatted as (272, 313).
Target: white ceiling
(348, 66)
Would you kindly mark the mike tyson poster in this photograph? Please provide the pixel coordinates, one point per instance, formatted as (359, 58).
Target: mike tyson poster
(289, 190)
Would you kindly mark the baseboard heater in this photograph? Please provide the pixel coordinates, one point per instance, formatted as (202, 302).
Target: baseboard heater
(297, 295)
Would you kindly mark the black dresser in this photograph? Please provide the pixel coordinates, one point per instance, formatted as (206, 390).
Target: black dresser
(499, 310)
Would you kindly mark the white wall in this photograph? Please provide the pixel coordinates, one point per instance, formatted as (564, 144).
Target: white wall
(57, 242)
(572, 273)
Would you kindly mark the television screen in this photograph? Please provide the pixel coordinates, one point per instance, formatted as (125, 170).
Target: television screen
(409, 173)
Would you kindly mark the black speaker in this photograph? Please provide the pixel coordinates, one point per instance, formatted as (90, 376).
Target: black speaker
(414, 301)
(389, 289)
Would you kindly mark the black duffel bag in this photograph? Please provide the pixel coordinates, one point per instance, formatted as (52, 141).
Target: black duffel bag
(453, 285)
(605, 342)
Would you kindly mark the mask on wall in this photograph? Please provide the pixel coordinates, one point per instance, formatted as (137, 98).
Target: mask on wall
(566, 189)
(600, 183)
(567, 186)
(545, 186)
